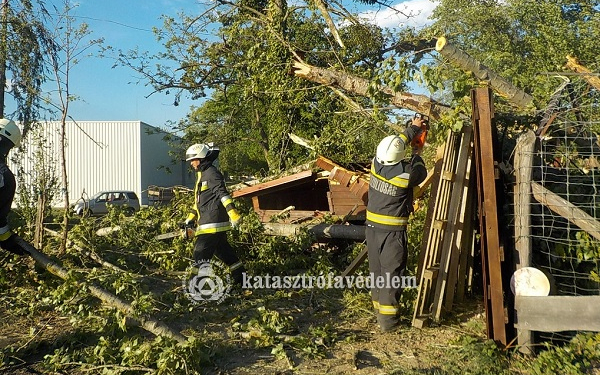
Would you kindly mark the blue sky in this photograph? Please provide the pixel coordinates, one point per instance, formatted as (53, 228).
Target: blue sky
(108, 93)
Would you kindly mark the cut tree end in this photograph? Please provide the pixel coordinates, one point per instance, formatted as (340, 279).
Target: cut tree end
(440, 44)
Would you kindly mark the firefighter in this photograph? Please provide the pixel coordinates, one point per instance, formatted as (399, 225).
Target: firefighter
(10, 136)
(393, 178)
(213, 211)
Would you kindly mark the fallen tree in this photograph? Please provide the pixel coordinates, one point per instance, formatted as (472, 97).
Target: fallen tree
(360, 86)
(483, 73)
(149, 324)
(588, 75)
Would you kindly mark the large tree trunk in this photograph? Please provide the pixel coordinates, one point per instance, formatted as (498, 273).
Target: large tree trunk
(151, 325)
(483, 73)
(320, 231)
(360, 86)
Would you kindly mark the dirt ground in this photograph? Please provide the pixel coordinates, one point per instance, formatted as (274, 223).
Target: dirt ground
(362, 349)
(358, 349)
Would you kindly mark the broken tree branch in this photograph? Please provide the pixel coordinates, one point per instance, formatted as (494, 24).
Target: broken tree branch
(151, 325)
(567, 210)
(588, 75)
(325, 13)
(483, 73)
(92, 255)
(360, 86)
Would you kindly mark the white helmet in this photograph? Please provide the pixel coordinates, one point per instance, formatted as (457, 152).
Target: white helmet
(10, 131)
(199, 151)
(390, 150)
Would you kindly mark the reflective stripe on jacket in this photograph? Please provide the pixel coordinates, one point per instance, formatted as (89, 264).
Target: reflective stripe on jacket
(212, 201)
(391, 192)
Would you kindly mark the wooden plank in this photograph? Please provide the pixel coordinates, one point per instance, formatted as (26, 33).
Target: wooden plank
(325, 164)
(344, 210)
(275, 185)
(255, 203)
(330, 201)
(345, 201)
(360, 188)
(467, 248)
(342, 176)
(484, 275)
(482, 103)
(522, 202)
(558, 313)
(567, 210)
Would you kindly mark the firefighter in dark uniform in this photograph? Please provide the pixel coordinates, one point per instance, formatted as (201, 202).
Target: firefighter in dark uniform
(10, 136)
(213, 211)
(390, 203)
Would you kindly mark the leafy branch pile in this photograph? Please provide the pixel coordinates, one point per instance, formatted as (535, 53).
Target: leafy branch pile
(287, 325)
(149, 274)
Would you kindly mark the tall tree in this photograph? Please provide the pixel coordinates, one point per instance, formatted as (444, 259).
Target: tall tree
(24, 46)
(252, 98)
(73, 42)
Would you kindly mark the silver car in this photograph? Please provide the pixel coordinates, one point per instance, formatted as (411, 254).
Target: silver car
(98, 204)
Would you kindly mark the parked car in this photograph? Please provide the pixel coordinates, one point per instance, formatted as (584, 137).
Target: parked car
(98, 204)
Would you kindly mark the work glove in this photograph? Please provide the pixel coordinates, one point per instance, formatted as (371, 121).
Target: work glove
(10, 244)
(235, 218)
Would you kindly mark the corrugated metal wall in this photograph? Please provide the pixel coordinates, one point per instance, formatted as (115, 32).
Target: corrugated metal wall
(102, 155)
(157, 166)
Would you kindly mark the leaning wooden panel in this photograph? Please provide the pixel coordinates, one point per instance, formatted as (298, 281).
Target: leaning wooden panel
(482, 242)
(482, 104)
(436, 224)
(558, 313)
(451, 246)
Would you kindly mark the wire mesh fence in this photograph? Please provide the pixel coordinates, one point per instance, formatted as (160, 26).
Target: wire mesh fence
(565, 211)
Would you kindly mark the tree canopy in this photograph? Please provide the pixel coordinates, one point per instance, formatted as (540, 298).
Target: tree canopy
(237, 59)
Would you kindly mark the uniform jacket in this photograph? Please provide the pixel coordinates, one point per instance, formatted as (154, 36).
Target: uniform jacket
(7, 193)
(391, 190)
(213, 205)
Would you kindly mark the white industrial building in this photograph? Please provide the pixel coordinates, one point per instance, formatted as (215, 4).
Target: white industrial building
(105, 155)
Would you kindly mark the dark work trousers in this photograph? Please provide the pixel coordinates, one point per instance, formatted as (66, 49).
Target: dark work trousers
(387, 255)
(211, 244)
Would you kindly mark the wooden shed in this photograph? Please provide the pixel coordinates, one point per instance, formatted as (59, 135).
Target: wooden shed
(324, 187)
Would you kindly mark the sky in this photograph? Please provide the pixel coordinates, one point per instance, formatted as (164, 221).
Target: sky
(108, 93)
